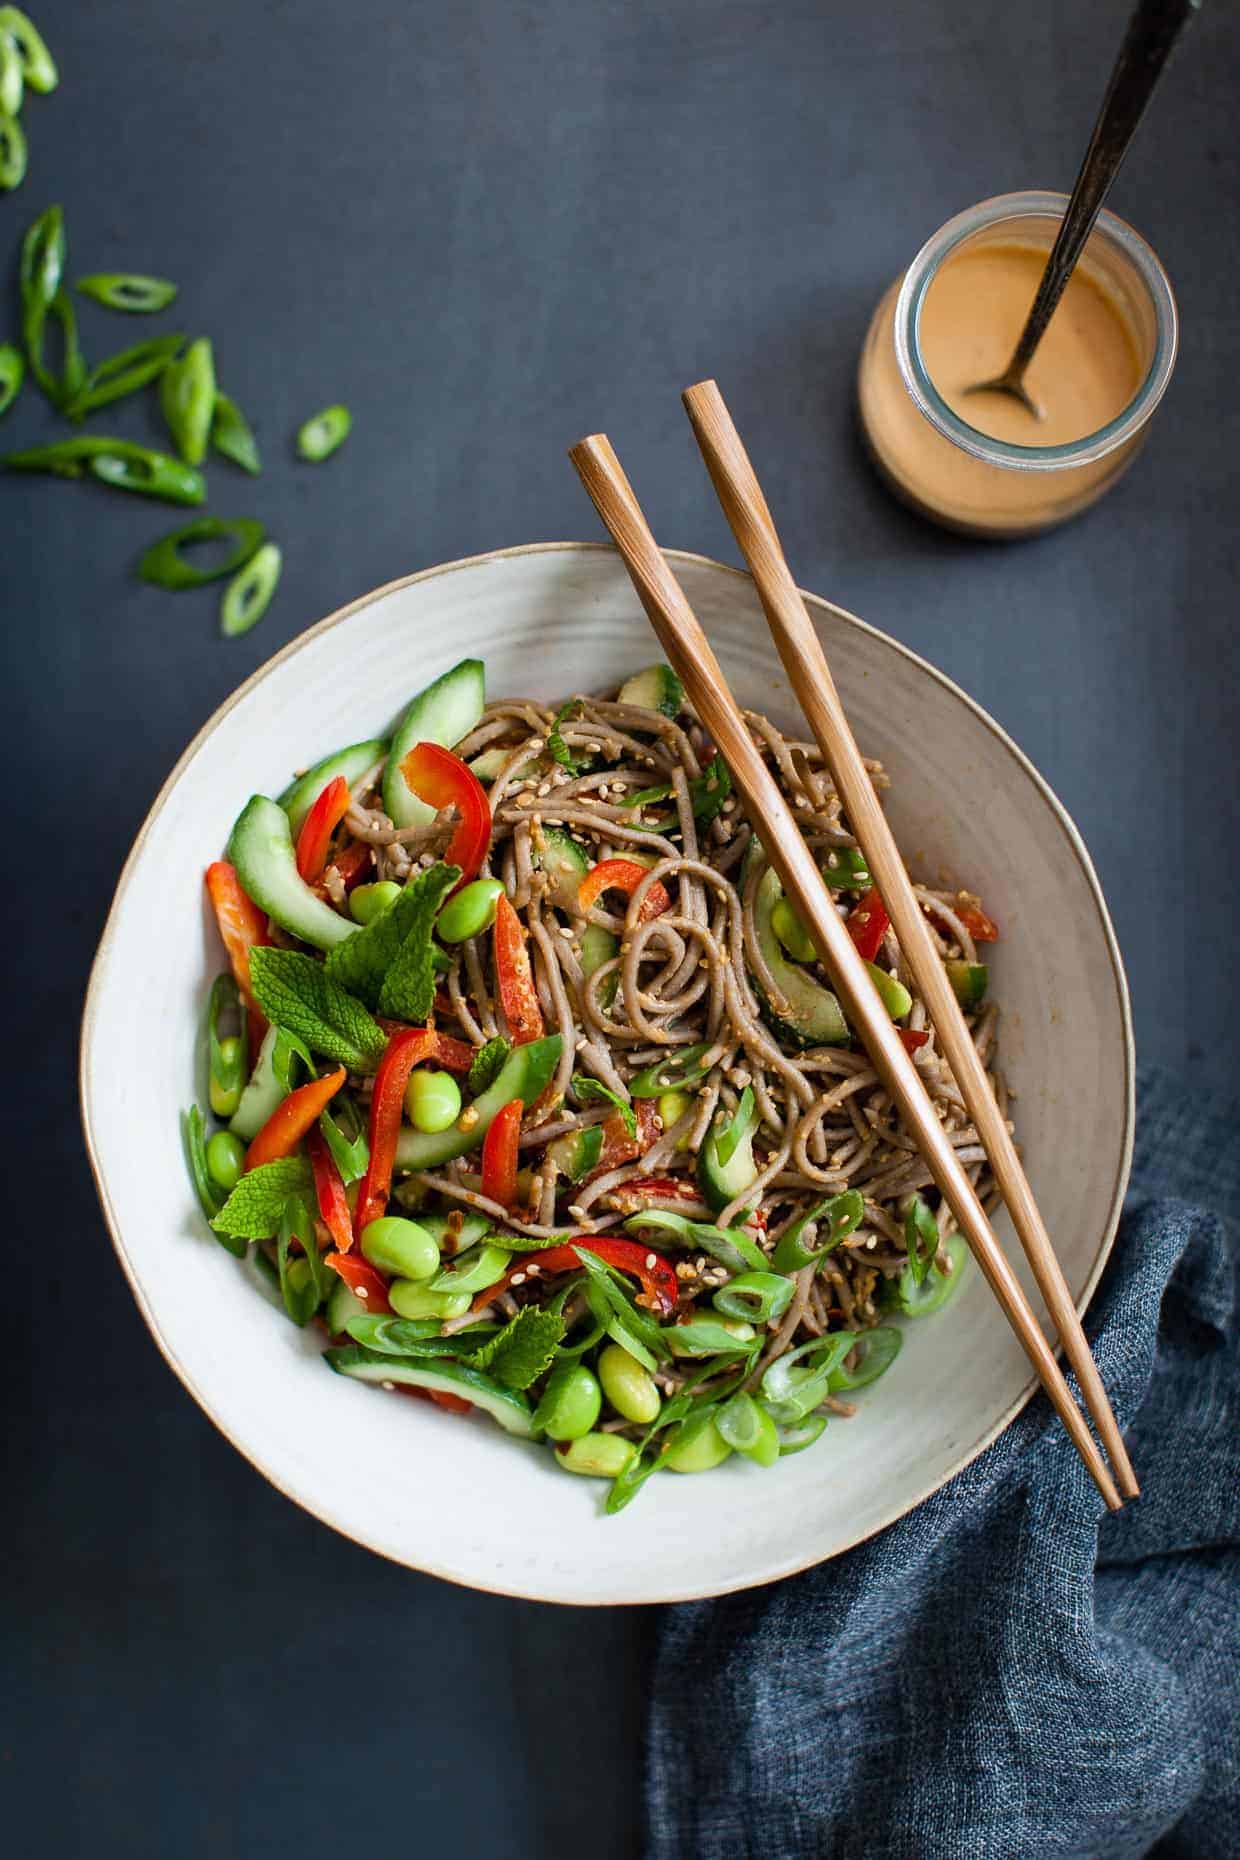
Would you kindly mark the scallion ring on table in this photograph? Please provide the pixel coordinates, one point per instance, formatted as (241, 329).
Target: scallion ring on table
(164, 564)
(323, 433)
(249, 594)
(116, 462)
(128, 290)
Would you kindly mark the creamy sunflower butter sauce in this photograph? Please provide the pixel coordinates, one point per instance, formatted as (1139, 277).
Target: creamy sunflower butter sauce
(981, 462)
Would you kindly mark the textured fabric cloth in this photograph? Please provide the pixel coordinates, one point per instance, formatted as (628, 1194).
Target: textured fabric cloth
(1009, 1671)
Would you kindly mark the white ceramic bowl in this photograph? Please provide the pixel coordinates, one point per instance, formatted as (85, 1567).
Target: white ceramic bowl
(456, 1496)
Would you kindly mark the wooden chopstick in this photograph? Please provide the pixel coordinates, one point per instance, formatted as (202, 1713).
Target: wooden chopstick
(690, 654)
(805, 662)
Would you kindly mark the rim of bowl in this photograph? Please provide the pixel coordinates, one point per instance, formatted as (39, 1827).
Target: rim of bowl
(97, 979)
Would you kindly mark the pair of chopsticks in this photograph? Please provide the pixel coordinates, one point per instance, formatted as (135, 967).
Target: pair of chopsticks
(800, 648)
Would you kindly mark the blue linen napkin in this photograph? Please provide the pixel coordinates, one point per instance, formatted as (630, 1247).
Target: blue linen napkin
(1009, 1671)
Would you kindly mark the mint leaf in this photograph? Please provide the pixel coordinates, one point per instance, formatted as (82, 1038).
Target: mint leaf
(590, 1091)
(556, 746)
(523, 1350)
(488, 1062)
(253, 1210)
(709, 792)
(362, 961)
(296, 993)
(408, 988)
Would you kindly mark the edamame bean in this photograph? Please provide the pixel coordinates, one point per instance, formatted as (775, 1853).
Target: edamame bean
(367, 902)
(471, 911)
(415, 1301)
(226, 1158)
(400, 1247)
(432, 1099)
(699, 1453)
(672, 1107)
(598, 1456)
(628, 1387)
(791, 932)
(224, 1099)
(570, 1404)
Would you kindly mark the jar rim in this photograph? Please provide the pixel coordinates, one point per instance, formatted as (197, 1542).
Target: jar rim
(916, 377)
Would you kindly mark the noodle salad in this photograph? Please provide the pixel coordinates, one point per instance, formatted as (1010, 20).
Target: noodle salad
(527, 1086)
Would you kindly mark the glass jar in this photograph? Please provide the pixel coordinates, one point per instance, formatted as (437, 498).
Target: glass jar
(963, 478)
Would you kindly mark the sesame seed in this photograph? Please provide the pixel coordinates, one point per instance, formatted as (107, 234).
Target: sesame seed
(532, 1272)
(518, 1278)
(543, 788)
(361, 1291)
(566, 931)
(387, 1385)
(652, 1261)
(578, 1213)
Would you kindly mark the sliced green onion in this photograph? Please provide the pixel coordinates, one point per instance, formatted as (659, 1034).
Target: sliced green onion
(791, 1390)
(40, 269)
(921, 1238)
(878, 1349)
(748, 1429)
(729, 1139)
(165, 566)
(649, 795)
(934, 1292)
(614, 1290)
(38, 65)
(680, 1071)
(14, 153)
(187, 396)
(64, 388)
(801, 1434)
(729, 1246)
(231, 435)
(115, 462)
(323, 433)
(706, 1337)
(393, 1336)
(127, 290)
(710, 790)
(12, 374)
(288, 1049)
(123, 374)
(349, 1152)
(839, 1215)
(193, 1132)
(757, 1297)
(227, 1067)
(634, 1476)
(12, 78)
(248, 596)
(303, 1276)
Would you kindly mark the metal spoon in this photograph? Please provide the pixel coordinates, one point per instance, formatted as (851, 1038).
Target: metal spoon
(1152, 33)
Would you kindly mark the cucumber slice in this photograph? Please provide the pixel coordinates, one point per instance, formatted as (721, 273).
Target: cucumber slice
(506, 1406)
(525, 1074)
(261, 848)
(969, 979)
(342, 1304)
(722, 1182)
(566, 864)
(445, 712)
(262, 1094)
(475, 1271)
(655, 687)
(300, 795)
(577, 1153)
(809, 1014)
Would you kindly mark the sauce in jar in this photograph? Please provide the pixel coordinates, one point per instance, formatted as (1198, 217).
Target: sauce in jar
(981, 463)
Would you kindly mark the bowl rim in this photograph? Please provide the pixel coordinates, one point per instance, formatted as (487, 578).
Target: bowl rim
(95, 986)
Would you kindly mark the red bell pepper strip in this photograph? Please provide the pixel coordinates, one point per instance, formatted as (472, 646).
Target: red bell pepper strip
(317, 828)
(656, 1274)
(499, 1154)
(292, 1118)
(456, 1055)
(981, 928)
(912, 1037)
(404, 1050)
(619, 1146)
(362, 1280)
(622, 875)
(517, 993)
(867, 924)
(329, 1188)
(242, 927)
(442, 780)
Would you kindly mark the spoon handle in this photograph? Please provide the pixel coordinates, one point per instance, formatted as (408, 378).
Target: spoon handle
(1152, 33)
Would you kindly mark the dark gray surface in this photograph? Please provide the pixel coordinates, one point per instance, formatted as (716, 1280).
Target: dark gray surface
(491, 228)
